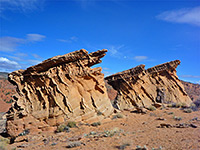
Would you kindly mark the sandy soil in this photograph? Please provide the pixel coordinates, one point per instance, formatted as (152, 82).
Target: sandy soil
(4, 107)
(132, 130)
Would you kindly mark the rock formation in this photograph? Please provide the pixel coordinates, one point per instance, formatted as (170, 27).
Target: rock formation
(59, 89)
(140, 88)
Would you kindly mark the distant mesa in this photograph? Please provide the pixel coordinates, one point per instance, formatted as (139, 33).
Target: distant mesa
(59, 89)
(140, 88)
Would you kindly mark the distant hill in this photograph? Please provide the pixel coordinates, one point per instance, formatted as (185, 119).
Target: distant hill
(6, 90)
(3, 75)
(193, 90)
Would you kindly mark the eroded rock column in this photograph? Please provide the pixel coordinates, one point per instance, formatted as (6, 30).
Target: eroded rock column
(59, 89)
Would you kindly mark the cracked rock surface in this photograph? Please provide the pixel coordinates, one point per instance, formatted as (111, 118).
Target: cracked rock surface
(140, 88)
(58, 89)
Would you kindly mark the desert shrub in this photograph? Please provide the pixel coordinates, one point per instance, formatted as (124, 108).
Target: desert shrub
(95, 124)
(62, 128)
(7, 93)
(174, 105)
(71, 124)
(118, 115)
(151, 108)
(197, 103)
(112, 132)
(177, 118)
(187, 110)
(10, 101)
(106, 133)
(53, 144)
(170, 113)
(99, 113)
(193, 106)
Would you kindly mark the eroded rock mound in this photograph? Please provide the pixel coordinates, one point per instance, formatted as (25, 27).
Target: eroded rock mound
(59, 89)
(140, 88)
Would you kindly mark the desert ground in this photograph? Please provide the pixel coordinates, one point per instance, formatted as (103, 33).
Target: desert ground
(165, 128)
(157, 129)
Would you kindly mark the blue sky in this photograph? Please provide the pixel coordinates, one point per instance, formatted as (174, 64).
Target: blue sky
(134, 32)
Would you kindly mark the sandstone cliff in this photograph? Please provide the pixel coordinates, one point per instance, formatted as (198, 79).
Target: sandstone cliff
(138, 88)
(59, 89)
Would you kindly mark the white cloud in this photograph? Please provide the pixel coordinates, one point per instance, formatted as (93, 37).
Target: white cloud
(36, 56)
(8, 65)
(35, 37)
(33, 61)
(140, 58)
(198, 82)
(189, 76)
(9, 44)
(106, 68)
(186, 15)
(19, 5)
(70, 40)
(115, 51)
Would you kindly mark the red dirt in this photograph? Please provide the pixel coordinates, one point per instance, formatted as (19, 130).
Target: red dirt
(4, 107)
(135, 129)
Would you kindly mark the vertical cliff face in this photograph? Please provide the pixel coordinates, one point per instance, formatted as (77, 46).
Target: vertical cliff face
(139, 88)
(59, 89)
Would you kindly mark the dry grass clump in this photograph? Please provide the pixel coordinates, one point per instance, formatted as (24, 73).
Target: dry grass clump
(62, 128)
(151, 108)
(71, 124)
(118, 115)
(177, 118)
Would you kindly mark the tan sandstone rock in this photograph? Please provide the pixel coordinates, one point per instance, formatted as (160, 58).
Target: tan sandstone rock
(59, 89)
(140, 88)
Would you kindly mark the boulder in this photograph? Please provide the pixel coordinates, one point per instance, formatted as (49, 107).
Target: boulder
(58, 89)
(138, 88)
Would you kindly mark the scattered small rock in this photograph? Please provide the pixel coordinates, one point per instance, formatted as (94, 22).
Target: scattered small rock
(187, 110)
(75, 138)
(123, 146)
(181, 125)
(160, 119)
(177, 118)
(170, 113)
(95, 124)
(195, 119)
(25, 132)
(74, 144)
(165, 125)
(53, 144)
(141, 148)
(193, 125)
(23, 145)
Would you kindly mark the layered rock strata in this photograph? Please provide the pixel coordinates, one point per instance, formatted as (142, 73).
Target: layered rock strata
(59, 89)
(140, 88)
